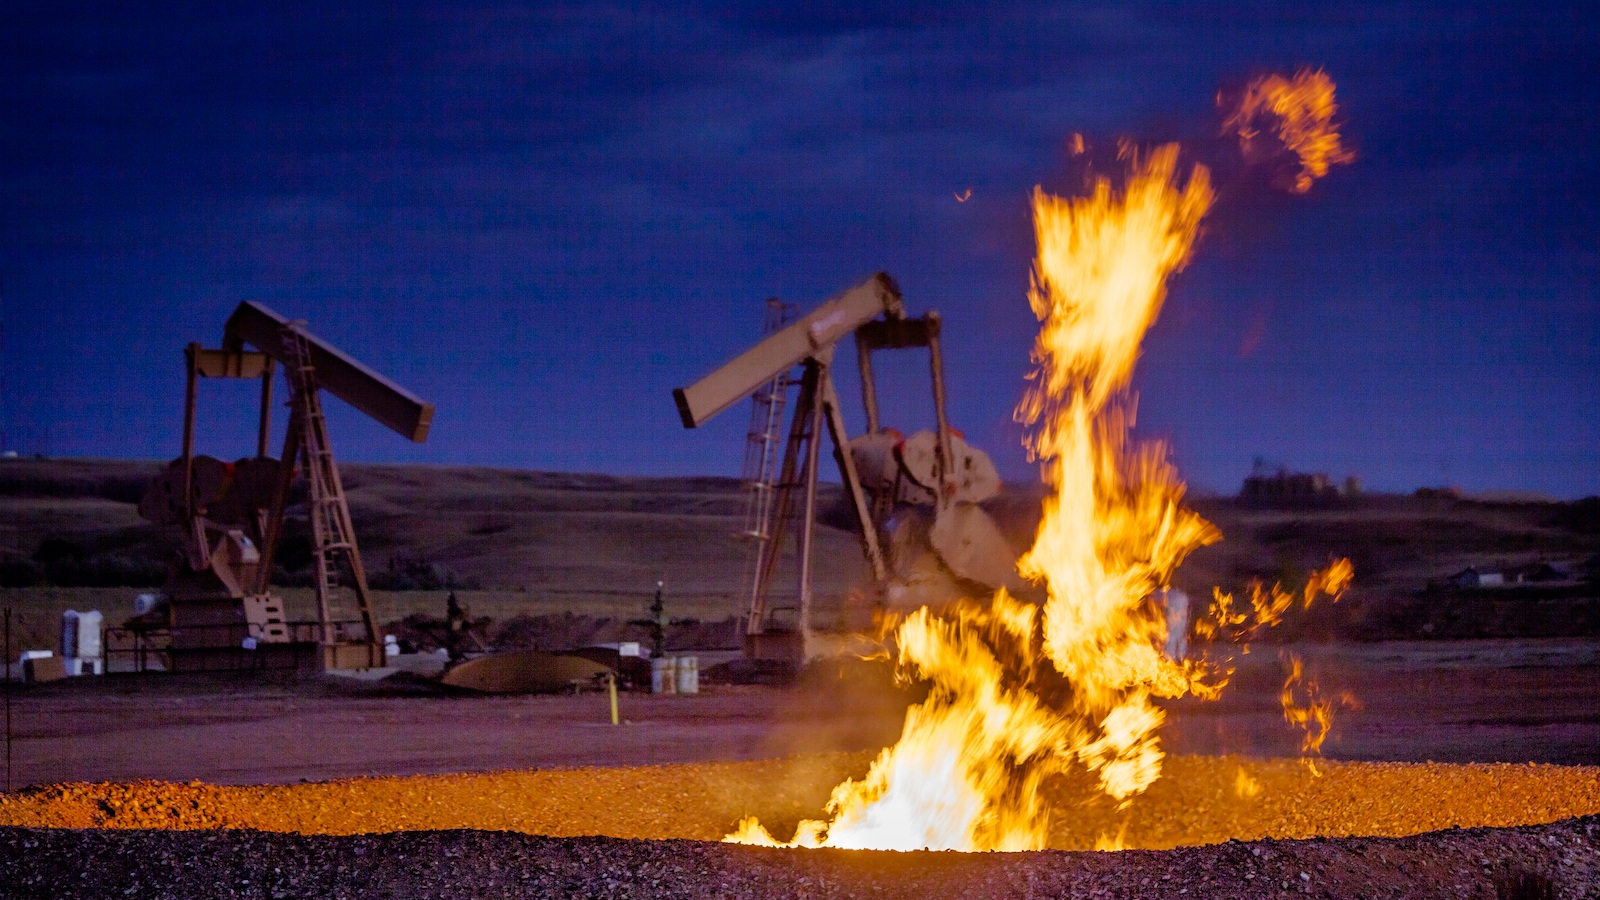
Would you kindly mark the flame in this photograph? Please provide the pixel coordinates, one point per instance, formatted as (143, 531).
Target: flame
(1112, 843)
(1245, 786)
(1100, 279)
(1313, 714)
(1300, 112)
(1114, 529)
(1227, 622)
(1306, 708)
(1020, 692)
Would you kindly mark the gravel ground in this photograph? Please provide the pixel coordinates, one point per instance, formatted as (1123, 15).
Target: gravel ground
(1558, 860)
(644, 819)
(1352, 829)
(1199, 800)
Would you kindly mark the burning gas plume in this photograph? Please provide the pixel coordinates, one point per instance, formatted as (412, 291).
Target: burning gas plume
(1020, 692)
(1227, 621)
(1295, 112)
(1308, 709)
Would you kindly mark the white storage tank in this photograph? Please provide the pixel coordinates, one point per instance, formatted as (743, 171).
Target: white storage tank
(81, 649)
(688, 675)
(664, 675)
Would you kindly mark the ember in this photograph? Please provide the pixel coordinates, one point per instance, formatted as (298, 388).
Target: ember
(1298, 112)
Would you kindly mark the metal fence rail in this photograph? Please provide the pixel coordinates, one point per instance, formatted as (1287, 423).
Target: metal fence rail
(219, 648)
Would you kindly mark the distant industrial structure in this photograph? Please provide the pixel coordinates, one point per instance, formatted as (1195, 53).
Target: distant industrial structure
(1272, 484)
(1534, 573)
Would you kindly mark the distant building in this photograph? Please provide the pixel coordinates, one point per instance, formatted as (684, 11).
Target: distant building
(1285, 487)
(1473, 578)
(1537, 573)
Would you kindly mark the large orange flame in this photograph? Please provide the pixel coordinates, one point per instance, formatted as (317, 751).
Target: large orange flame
(1114, 530)
(1299, 112)
(1021, 692)
(966, 771)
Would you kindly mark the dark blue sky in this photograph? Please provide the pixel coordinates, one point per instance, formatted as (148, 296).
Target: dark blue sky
(544, 219)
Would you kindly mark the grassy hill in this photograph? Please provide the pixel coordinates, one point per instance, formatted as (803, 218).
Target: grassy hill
(548, 543)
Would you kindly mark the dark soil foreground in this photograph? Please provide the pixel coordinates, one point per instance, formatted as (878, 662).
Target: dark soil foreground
(1556, 860)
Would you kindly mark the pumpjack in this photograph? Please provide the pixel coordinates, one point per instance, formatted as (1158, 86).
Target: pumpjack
(916, 499)
(218, 606)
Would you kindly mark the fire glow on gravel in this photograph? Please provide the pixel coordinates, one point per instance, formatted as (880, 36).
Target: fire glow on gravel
(1021, 692)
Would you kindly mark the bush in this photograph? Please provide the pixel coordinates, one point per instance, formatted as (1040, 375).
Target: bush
(54, 550)
(123, 488)
(297, 578)
(416, 575)
(1579, 516)
(105, 570)
(20, 573)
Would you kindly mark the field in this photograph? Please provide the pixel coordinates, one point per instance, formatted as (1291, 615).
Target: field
(543, 544)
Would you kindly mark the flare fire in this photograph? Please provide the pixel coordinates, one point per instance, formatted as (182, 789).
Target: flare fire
(1021, 692)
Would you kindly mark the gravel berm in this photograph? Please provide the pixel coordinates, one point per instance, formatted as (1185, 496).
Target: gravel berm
(1211, 827)
(1199, 800)
(1560, 860)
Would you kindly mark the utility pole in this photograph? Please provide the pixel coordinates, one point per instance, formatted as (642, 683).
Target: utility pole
(656, 623)
(8, 699)
(658, 620)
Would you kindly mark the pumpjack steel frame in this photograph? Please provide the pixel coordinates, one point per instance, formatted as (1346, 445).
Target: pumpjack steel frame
(310, 366)
(873, 312)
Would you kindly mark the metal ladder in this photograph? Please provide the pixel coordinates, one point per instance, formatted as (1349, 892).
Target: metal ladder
(332, 535)
(761, 455)
(796, 475)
